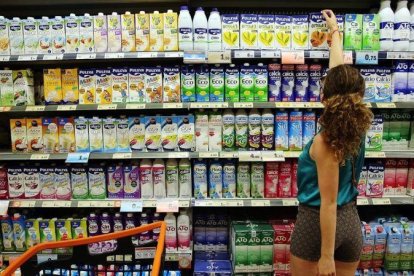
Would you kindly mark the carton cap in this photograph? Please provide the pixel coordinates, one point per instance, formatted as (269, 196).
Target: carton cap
(100, 14)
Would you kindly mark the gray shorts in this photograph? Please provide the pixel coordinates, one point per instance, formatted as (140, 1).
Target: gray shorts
(306, 237)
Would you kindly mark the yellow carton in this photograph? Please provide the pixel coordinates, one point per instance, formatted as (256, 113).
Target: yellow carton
(103, 86)
(142, 33)
(128, 32)
(170, 31)
(87, 88)
(156, 31)
(52, 83)
(70, 86)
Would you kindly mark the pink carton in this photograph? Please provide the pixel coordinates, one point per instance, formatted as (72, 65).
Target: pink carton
(285, 180)
(15, 179)
(389, 176)
(32, 185)
(362, 184)
(410, 181)
(271, 179)
(401, 177)
(294, 178)
(281, 247)
(375, 186)
(4, 189)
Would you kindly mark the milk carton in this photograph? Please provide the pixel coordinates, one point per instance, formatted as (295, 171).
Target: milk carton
(410, 181)
(267, 129)
(4, 36)
(309, 127)
(201, 130)
(383, 85)
(32, 185)
(300, 32)
(103, 79)
(247, 76)
(72, 23)
(266, 31)
(274, 80)
(6, 88)
(128, 32)
(318, 31)
(260, 83)
(288, 83)
(153, 133)
(47, 181)
(368, 235)
(62, 182)
(406, 247)
(81, 134)
(362, 184)
(87, 86)
(95, 134)
(301, 83)
(31, 39)
(97, 182)
(57, 34)
(7, 233)
(153, 84)
(109, 135)
(114, 32)
(369, 76)
(188, 83)
(122, 135)
(410, 83)
(243, 180)
(44, 35)
(79, 228)
(353, 32)
(18, 131)
(255, 120)
(231, 30)
(281, 260)
(215, 179)
(240, 235)
(401, 177)
(371, 32)
(229, 135)
(375, 185)
(217, 83)
(171, 85)
(314, 89)
(380, 240)
(253, 257)
(63, 233)
(170, 31)
(119, 85)
(142, 31)
(229, 179)
(266, 248)
(169, 133)
(271, 180)
(70, 86)
(248, 31)
(199, 232)
(186, 138)
(18, 222)
(294, 178)
(399, 81)
(285, 180)
(52, 86)
(100, 33)
(242, 130)
(373, 140)
(34, 135)
(131, 177)
(115, 181)
(66, 128)
(79, 181)
(136, 133)
(389, 176)
(283, 32)
(215, 124)
(282, 130)
(295, 130)
(393, 249)
(257, 180)
(15, 179)
(231, 84)
(50, 135)
(137, 90)
(202, 83)
(4, 189)
(32, 231)
(23, 86)
(16, 36)
(156, 31)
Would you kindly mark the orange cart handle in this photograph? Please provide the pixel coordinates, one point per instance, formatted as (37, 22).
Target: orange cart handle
(100, 238)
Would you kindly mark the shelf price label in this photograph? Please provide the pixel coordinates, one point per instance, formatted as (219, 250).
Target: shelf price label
(243, 105)
(319, 54)
(208, 155)
(290, 202)
(172, 105)
(366, 57)
(243, 54)
(53, 57)
(135, 106)
(4, 58)
(273, 156)
(362, 201)
(122, 155)
(78, 157)
(260, 203)
(114, 55)
(283, 105)
(167, 206)
(131, 206)
(381, 201)
(4, 207)
(39, 156)
(194, 57)
(27, 58)
(250, 156)
(86, 56)
(293, 57)
(348, 58)
(235, 203)
(219, 57)
(386, 105)
(230, 154)
(375, 154)
(70, 107)
(147, 54)
(107, 107)
(269, 54)
(35, 108)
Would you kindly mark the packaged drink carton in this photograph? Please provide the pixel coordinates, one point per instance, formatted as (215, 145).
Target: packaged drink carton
(23, 86)
(410, 181)
(383, 85)
(211, 233)
(281, 249)
(199, 233)
(6, 88)
(95, 134)
(390, 176)
(318, 31)
(81, 134)
(340, 20)
(86, 31)
(294, 178)
(253, 248)
(18, 130)
(16, 36)
(283, 32)
(393, 249)
(50, 135)
(315, 74)
(19, 224)
(295, 130)
(260, 83)
(66, 128)
(114, 32)
(232, 84)
(115, 178)
(266, 248)
(242, 130)
(119, 85)
(4, 189)
(254, 126)
(58, 34)
(153, 84)
(231, 30)
(257, 180)
(52, 84)
(100, 33)
(222, 233)
(32, 185)
(229, 134)
(201, 131)
(70, 86)
(368, 238)
(72, 24)
(109, 135)
(171, 85)
(62, 182)
(156, 31)
(7, 233)
(136, 133)
(401, 177)
(30, 35)
(248, 31)
(353, 32)
(97, 183)
(267, 130)
(131, 177)
(170, 31)
(410, 83)
(371, 32)
(215, 179)
(44, 35)
(375, 185)
(217, 83)
(122, 135)
(204, 268)
(285, 180)
(142, 32)
(47, 233)
(300, 32)
(369, 76)
(4, 36)
(103, 86)
(247, 83)
(301, 83)
(288, 83)
(188, 84)
(169, 133)
(309, 127)
(274, 80)
(79, 228)
(87, 86)
(243, 180)
(79, 182)
(153, 133)
(32, 231)
(373, 139)
(202, 87)
(271, 179)
(128, 32)
(63, 233)
(137, 89)
(399, 81)
(380, 240)
(215, 124)
(229, 180)
(34, 134)
(47, 181)
(266, 31)
(406, 247)
(282, 130)
(240, 235)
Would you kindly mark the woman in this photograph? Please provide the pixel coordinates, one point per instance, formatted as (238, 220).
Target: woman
(327, 239)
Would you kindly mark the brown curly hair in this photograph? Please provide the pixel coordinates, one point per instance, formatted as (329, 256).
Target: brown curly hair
(345, 119)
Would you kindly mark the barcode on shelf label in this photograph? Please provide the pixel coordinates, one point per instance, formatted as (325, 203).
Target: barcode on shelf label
(243, 105)
(260, 203)
(135, 106)
(386, 105)
(293, 57)
(4, 58)
(231, 154)
(290, 202)
(275, 156)
(250, 156)
(107, 106)
(381, 201)
(219, 56)
(27, 57)
(167, 206)
(114, 55)
(270, 54)
(66, 107)
(34, 108)
(208, 155)
(86, 56)
(243, 54)
(131, 206)
(362, 201)
(122, 155)
(39, 156)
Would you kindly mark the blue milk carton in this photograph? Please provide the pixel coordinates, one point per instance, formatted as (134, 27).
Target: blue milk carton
(410, 84)
(282, 131)
(199, 232)
(399, 81)
(295, 130)
(275, 82)
(7, 233)
(379, 244)
(309, 127)
(368, 235)
(200, 179)
(222, 230)
(406, 247)
(288, 83)
(212, 268)
(301, 83)
(211, 232)
(393, 249)
(383, 85)
(315, 74)
(369, 75)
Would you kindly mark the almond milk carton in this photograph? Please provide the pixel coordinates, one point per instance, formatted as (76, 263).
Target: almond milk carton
(156, 31)
(114, 32)
(72, 23)
(4, 36)
(142, 31)
(153, 84)
(100, 33)
(171, 85)
(170, 31)
(16, 36)
(128, 32)
(86, 32)
(66, 135)
(70, 86)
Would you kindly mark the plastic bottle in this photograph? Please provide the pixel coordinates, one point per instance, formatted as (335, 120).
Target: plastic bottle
(412, 27)
(145, 178)
(106, 224)
(156, 231)
(200, 30)
(242, 132)
(402, 27)
(144, 237)
(185, 30)
(158, 176)
(118, 222)
(200, 179)
(184, 178)
(183, 231)
(171, 178)
(93, 225)
(171, 234)
(214, 30)
(386, 26)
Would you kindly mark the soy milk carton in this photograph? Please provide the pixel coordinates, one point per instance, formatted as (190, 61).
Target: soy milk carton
(95, 134)
(72, 23)
(156, 31)
(170, 31)
(171, 85)
(142, 31)
(70, 86)
(248, 31)
(103, 78)
(231, 30)
(16, 36)
(137, 89)
(58, 33)
(44, 35)
(30, 35)
(283, 32)
(309, 127)
(87, 86)
(114, 32)
(100, 33)
(52, 86)
(4, 36)
(128, 32)
(318, 31)
(153, 84)
(353, 32)
(81, 134)
(300, 32)
(266, 31)
(119, 85)
(50, 135)
(86, 33)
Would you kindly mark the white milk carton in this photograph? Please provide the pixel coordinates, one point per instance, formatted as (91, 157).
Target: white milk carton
(58, 35)
(95, 134)
(266, 31)
(86, 44)
(201, 131)
(16, 36)
(375, 185)
(114, 32)
(283, 32)
(215, 124)
(72, 23)
(119, 85)
(300, 32)
(44, 35)
(383, 85)
(30, 35)
(137, 87)
(318, 31)
(4, 36)
(248, 31)
(128, 32)
(100, 33)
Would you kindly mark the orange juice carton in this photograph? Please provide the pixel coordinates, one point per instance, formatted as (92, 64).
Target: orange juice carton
(66, 135)
(34, 134)
(70, 86)
(18, 135)
(50, 135)
(52, 83)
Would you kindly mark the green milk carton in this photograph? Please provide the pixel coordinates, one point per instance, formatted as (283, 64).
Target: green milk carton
(239, 240)
(370, 32)
(247, 83)
(353, 32)
(32, 232)
(47, 233)
(260, 83)
(217, 83)
(63, 233)
(253, 248)
(266, 248)
(202, 87)
(232, 84)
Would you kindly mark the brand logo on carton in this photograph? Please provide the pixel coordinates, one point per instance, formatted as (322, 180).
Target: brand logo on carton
(248, 18)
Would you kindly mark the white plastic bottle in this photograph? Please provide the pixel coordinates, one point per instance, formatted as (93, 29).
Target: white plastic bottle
(171, 234)
(185, 30)
(184, 178)
(214, 30)
(386, 26)
(158, 176)
(171, 178)
(145, 178)
(402, 27)
(200, 30)
(412, 27)
(183, 231)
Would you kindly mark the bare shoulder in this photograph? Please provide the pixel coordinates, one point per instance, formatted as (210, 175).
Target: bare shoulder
(320, 150)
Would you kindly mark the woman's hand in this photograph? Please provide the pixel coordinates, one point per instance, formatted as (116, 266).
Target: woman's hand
(326, 266)
(330, 19)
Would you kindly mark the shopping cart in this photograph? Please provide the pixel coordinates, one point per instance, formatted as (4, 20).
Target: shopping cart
(103, 255)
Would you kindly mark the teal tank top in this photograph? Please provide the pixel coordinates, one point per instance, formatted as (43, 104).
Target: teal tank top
(307, 178)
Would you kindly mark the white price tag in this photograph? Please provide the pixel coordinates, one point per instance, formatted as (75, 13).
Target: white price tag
(283, 104)
(369, 105)
(35, 108)
(39, 156)
(250, 156)
(173, 54)
(219, 56)
(53, 57)
(319, 54)
(362, 201)
(114, 55)
(199, 105)
(293, 57)
(4, 207)
(260, 203)
(86, 56)
(269, 54)
(66, 107)
(131, 206)
(122, 155)
(243, 54)
(147, 54)
(27, 58)
(135, 106)
(184, 203)
(85, 204)
(235, 203)
(243, 105)
(167, 206)
(230, 154)
(178, 155)
(313, 105)
(172, 105)
(208, 155)
(348, 58)
(4, 58)
(49, 204)
(375, 154)
(366, 57)
(381, 201)
(27, 203)
(386, 105)
(150, 203)
(107, 106)
(396, 55)
(273, 156)
(290, 202)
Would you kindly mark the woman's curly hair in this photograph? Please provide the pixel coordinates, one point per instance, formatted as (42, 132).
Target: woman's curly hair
(345, 119)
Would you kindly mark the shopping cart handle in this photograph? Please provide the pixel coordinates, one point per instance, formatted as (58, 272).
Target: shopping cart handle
(13, 266)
